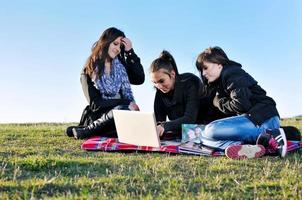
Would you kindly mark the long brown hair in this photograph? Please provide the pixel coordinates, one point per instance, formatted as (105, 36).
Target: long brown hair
(99, 50)
(213, 55)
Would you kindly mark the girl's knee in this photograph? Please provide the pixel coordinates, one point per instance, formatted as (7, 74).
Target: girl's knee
(210, 130)
(218, 130)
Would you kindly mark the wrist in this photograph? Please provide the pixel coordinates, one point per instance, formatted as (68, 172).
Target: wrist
(161, 123)
(130, 51)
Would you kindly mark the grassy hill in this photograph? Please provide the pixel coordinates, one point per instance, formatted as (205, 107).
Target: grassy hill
(39, 161)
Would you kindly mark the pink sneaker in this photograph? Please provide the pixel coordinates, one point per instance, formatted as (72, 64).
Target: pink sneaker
(246, 151)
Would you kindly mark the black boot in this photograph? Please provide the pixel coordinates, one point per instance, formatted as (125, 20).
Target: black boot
(69, 132)
(102, 124)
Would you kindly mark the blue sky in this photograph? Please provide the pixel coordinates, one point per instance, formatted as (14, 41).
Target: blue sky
(43, 46)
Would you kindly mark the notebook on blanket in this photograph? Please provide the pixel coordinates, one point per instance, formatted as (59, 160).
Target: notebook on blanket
(135, 127)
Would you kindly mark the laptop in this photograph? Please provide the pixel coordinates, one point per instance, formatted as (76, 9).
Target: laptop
(135, 127)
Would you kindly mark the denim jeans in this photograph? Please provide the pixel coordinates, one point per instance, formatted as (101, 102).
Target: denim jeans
(222, 133)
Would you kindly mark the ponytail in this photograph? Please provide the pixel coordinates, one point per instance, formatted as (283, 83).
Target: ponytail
(164, 61)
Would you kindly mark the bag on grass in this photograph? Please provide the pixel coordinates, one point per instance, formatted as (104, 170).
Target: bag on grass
(292, 133)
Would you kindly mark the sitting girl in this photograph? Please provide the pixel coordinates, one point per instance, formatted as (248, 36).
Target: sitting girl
(177, 96)
(106, 84)
(237, 93)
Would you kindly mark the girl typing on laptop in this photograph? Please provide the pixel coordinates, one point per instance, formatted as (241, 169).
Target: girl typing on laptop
(177, 96)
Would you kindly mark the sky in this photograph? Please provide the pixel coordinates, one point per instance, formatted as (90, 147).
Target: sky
(44, 45)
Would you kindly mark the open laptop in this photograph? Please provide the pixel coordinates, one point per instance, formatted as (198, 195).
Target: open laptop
(135, 127)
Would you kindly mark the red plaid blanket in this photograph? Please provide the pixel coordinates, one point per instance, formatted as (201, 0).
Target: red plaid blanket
(112, 144)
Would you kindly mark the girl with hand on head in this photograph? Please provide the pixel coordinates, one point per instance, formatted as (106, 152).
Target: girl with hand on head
(177, 96)
(238, 94)
(105, 78)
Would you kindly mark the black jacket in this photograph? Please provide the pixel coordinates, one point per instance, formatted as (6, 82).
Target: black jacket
(136, 76)
(239, 93)
(180, 105)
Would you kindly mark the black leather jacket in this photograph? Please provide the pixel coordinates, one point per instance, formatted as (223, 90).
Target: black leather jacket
(239, 93)
(181, 105)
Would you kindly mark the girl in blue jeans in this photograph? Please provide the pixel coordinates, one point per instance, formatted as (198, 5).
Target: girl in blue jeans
(256, 119)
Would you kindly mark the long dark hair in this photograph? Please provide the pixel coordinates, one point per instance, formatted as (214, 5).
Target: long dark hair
(99, 50)
(213, 55)
(164, 61)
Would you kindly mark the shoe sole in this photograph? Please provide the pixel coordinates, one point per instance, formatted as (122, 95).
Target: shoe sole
(240, 152)
(284, 149)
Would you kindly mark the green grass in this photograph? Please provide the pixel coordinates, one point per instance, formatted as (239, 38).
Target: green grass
(37, 161)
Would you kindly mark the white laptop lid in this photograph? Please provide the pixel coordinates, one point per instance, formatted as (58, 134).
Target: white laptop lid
(134, 127)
